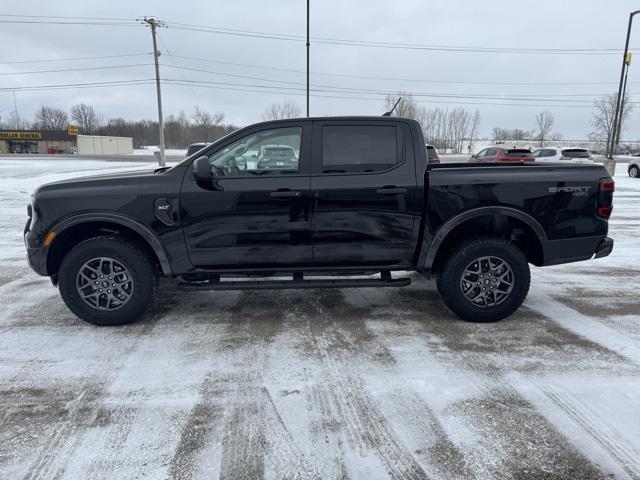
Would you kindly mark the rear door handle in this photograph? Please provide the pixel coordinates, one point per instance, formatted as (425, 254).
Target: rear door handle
(285, 194)
(391, 190)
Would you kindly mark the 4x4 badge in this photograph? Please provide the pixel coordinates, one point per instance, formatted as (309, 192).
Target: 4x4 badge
(576, 191)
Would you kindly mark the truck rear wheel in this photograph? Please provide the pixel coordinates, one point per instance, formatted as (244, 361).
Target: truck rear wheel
(485, 280)
(107, 280)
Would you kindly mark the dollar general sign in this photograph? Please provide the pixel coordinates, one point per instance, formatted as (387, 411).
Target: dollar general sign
(20, 135)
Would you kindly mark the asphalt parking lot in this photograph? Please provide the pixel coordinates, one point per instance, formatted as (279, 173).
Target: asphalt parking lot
(353, 383)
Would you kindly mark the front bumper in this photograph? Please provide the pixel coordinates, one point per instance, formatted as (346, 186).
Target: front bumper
(605, 248)
(36, 252)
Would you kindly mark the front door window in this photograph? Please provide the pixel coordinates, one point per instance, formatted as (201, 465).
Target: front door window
(275, 151)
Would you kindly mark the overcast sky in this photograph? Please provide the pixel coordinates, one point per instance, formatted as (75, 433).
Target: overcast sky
(543, 24)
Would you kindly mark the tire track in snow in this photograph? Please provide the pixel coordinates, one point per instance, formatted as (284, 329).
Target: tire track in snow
(626, 455)
(348, 400)
(583, 325)
(493, 412)
(51, 462)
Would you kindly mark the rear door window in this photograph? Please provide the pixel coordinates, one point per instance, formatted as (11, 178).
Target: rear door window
(359, 148)
(518, 152)
(575, 153)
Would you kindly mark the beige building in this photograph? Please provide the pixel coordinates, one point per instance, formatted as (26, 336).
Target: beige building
(97, 145)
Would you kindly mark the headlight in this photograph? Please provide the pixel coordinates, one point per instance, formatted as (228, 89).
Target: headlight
(32, 211)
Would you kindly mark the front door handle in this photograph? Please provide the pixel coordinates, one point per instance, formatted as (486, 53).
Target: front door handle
(391, 190)
(285, 194)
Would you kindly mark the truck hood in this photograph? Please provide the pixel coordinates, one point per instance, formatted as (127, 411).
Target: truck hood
(102, 177)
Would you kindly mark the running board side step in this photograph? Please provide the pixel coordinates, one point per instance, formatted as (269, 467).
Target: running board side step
(297, 282)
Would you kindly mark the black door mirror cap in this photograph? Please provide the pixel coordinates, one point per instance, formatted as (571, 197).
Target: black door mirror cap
(202, 169)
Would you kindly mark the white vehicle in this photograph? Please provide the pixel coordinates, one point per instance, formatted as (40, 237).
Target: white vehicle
(562, 155)
(634, 168)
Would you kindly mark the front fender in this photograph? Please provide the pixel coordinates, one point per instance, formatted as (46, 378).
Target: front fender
(147, 234)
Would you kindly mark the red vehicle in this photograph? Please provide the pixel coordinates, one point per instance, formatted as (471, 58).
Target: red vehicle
(432, 154)
(502, 155)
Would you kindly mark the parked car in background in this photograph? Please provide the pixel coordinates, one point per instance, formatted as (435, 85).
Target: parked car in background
(278, 157)
(501, 154)
(194, 147)
(432, 154)
(634, 168)
(566, 154)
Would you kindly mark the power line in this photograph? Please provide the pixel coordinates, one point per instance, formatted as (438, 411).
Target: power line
(395, 45)
(111, 21)
(265, 89)
(63, 17)
(174, 82)
(80, 69)
(379, 92)
(65, 22)
(78, 85)
(69, 59)
(394, 79)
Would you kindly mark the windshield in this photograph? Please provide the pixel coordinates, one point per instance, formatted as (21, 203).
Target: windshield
(281, 152)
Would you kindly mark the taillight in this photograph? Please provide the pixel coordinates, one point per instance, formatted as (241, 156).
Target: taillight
(606, 187)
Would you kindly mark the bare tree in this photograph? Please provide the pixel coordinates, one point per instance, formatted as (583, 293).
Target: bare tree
(85, 116)
(443, 128)
(205, 121)
(277, 111)
(407, 108)
(51, 118)
(15, 122)
(544, 120)
(602, 120)
(475, 128)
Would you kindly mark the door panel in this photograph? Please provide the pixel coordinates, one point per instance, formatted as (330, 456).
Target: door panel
(248, 222)
(364, 218)
(256, 212)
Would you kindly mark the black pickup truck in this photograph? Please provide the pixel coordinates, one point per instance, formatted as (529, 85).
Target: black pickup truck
(352, 204)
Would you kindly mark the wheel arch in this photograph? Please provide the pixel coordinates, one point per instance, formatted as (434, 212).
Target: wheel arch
(503, 222)
(73, 230)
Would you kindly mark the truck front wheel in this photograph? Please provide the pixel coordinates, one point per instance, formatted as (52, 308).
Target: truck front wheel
(484, 280)
(107, 280)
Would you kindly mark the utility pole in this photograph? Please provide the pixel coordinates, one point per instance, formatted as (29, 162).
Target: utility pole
(154, 23)
(617, 117)
(307, 58)
(15, 107)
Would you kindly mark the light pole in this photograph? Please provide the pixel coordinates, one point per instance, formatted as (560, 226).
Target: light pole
(617, 117)
(307, 58)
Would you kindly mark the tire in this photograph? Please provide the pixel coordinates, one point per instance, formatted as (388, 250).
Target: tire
(107, 259)
(634, 171)
(458, 275)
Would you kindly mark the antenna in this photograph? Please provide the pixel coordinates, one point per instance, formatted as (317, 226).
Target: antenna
(388, 114)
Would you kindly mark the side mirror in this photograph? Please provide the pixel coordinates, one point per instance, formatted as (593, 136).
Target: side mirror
(202, 170)
(474, 156)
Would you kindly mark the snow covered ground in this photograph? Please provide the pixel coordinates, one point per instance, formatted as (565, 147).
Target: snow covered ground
(359, 383)
(168, 151)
